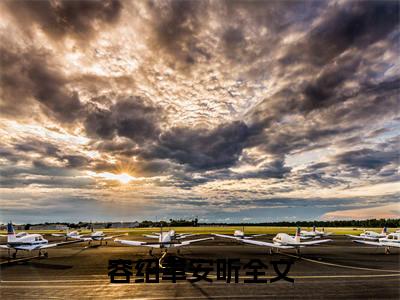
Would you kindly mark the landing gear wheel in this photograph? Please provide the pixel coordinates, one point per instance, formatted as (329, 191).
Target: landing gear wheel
(106, 243)
(46, 254)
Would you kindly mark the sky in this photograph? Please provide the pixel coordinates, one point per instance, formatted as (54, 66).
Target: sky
(229, 111)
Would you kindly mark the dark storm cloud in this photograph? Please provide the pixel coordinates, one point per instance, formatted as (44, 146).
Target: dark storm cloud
(380, 98)
(319, 179)
(273, 169)
(28, 74)
(202, 149)
(63, 17)
(355, 24)
(176, 24)
(48, 150)
(368, 158)
(325, 89)
(275, 140)
(37, 146)
(132, 118)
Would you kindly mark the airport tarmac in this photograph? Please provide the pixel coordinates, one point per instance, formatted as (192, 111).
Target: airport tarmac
(338, 270)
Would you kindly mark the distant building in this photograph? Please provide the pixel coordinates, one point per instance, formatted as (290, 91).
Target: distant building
(48, 227)
(16, 227)
(124, 224)
(104, 225)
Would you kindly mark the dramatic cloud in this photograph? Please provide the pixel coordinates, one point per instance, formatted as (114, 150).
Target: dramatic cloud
(79, 19)
(230, 109)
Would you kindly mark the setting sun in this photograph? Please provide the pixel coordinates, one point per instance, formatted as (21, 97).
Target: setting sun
(122, 178)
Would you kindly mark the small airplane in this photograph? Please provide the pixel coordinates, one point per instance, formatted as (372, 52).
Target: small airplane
(165, 241)
(28, 242)
(285, 241)
(391, 240)
(238, 235)
(370, 235)
(69, 235)
(99, 236)
(314, 233)
(172, 233)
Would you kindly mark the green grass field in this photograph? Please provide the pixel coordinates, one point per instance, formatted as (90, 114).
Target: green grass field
(220, 229)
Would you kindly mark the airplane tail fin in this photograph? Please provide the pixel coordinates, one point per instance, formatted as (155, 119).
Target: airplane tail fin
(384, 230)
(11, 236)
(297, 236)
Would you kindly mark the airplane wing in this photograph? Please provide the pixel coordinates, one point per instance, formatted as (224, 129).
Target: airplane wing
(226, 236)
(368, 243)
(265, 244)
(363, 237)
(136, 243)
(38, 247)
(183, 236)
(253, 236)
(310, 243)
(151, 236)
(102, 238)
(58, 234)
(56, 244)
(113, 236)
(185, 243)
(386, 244)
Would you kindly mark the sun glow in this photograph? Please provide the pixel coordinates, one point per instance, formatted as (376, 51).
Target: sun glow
(122, 178)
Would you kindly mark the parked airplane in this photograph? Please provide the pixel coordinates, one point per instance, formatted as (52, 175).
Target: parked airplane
(238, 235)
(173, 234)
(69, 235)
(370, 235)
(99, 236)
(391, 240)
(314, 233)
(165, 241)
(28, 242)
(285, 241)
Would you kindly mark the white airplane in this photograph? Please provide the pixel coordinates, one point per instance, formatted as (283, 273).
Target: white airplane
(172, 233)
(99, 236)
(284, 241)
(238, 235)
(69, 235)
(165, 241)
(370, 235)
(314, 233)
(28, 242)
(391, 240)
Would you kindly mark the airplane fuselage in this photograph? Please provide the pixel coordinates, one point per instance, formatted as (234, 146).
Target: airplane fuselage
(27, 242)
(285, 239)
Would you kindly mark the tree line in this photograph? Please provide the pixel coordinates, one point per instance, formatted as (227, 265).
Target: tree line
(392, 223)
